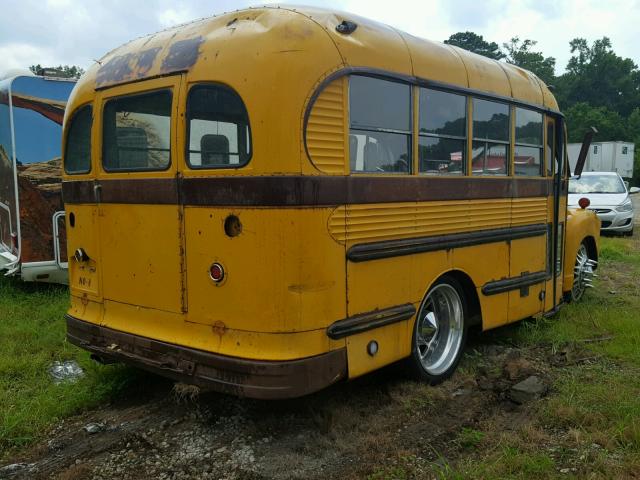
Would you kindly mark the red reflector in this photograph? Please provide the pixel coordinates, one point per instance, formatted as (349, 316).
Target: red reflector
(216, 272)
(584, 202)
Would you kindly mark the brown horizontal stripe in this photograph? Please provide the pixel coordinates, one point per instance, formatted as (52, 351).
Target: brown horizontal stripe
(137, 191)
(300, 190)
(162, 191)
(78, 192)
(408, 246)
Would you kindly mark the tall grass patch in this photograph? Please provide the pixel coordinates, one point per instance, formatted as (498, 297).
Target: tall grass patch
(32, 337)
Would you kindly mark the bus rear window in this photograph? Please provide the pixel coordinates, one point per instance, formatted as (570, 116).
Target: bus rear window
(137, 132)
(77, 157)
(219, 134)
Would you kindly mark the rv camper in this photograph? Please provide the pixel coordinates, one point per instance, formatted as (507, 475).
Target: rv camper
(32, 235)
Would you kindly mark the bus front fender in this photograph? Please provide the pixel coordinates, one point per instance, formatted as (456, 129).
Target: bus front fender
(583, 226)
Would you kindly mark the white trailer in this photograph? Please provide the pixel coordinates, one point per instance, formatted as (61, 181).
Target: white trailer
(605, 157)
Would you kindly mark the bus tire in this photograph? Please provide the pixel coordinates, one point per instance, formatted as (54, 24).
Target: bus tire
(582, 273)
(439, 332)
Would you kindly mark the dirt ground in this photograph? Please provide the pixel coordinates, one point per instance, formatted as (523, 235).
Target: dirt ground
(347, 431)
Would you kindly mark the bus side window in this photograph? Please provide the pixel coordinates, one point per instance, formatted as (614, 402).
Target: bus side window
(218, 128)
(490, 154)
(380, 121)
(443, 133)
(77, 158)
(528, 144)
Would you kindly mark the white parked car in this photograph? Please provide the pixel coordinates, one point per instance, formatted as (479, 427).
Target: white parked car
(609, 199)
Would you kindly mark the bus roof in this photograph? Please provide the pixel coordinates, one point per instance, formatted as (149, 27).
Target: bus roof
(308, 35)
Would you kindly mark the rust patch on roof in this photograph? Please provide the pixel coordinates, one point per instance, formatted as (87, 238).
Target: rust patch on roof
(125, 68)
(182, 55)
(146, 58)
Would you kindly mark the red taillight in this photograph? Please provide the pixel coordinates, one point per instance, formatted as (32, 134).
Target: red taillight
(584, 202)
(216, 272)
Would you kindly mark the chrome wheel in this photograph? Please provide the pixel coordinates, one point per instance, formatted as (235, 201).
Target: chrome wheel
(439, 329)
(582, 273)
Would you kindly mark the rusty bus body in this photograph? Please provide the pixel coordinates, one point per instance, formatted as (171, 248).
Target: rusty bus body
(256, 204)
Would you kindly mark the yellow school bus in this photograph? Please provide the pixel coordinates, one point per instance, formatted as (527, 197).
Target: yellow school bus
(269, 201)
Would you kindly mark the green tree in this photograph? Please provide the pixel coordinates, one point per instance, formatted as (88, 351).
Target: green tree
(65, 71)
(520, 53)
(599, 77)
(610, 124)
(475, 43)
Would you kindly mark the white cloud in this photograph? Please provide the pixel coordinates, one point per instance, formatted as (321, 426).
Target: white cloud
(59, 3)
(172, 16)
(21, 55)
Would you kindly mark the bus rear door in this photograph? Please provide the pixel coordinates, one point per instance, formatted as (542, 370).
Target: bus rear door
(140, 220)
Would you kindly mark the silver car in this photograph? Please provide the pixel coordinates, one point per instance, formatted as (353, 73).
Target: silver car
(609, 198)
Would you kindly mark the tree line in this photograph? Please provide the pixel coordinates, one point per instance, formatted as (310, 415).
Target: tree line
(598, 87)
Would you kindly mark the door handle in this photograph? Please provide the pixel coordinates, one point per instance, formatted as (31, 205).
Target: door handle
(97, 192)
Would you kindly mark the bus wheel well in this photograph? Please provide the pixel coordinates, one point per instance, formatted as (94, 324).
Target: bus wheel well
(471, 294)
(592, 250)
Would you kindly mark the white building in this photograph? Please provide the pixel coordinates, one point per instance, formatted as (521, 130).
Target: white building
(605, 157)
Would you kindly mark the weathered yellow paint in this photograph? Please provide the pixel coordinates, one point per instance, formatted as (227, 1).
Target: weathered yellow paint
(141, 255)
(376, 45)
(523, 84)
(89, 310)
(85, 277)
(287, 276)
(436, 61)
(528, 255)
(485, 74)
(271, 260)
(392, 345)
(483, 264)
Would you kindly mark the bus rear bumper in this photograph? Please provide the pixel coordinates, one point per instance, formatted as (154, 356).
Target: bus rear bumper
(210, 371)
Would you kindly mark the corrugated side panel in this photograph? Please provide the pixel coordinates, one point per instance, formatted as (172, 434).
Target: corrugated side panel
(326, 129)
(403, 220)
(529, 211)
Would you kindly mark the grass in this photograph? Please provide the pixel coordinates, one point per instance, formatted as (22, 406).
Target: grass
(470, 438)
(589, 427)
(32, 337)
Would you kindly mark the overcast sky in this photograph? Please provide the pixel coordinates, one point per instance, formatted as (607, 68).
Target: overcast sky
(52, 32)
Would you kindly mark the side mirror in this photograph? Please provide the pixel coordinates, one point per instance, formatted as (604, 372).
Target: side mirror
(633, 190)
(584, 150)
(626, 184)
